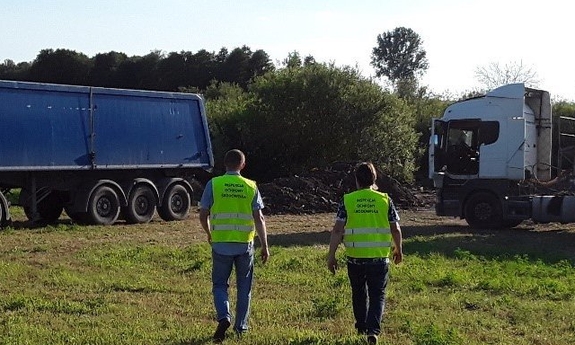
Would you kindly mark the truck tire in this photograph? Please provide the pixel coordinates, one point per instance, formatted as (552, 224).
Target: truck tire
(176, 203)
(49, 209)
(103, 206)
(141, 205)
(483, 210)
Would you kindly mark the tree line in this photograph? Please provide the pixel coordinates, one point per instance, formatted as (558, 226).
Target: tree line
(154, 71)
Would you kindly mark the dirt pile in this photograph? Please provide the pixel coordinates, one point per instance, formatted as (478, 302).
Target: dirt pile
(321, 191)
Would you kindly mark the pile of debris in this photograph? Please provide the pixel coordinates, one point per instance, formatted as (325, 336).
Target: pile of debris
(321, 191)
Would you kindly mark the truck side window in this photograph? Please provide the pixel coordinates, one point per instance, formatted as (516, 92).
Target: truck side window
(488, 132)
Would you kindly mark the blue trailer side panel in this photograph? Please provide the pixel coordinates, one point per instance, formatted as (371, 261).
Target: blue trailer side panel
(43, 128)
(50, 127)
(152, 131)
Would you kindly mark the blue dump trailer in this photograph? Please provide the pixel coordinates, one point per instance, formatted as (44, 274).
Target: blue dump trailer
(100, 154)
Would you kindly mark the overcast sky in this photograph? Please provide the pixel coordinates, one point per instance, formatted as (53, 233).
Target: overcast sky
(458, 35)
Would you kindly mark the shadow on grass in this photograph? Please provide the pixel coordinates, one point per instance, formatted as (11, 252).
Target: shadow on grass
(24, 225)
(550, 246)
(299, 239)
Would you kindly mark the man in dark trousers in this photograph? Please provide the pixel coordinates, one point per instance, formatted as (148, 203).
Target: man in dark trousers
(231, 214)
(368, 225)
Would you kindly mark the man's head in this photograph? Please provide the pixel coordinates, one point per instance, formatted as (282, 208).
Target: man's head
(365, 175)
(234, 160)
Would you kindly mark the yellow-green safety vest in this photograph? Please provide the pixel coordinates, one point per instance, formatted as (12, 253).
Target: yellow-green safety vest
(231, 217)
(367, 230)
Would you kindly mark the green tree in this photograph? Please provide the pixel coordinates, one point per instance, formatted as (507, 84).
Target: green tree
(104, 71)
(9, 70)
(60, 66)
(260, 63)
(293, 60)
(227, 109)
(295, 119)
(171, 72)
(201, 69)
(140, 72)
(399, 56)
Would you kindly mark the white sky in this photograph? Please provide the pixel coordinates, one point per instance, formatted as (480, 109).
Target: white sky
(458, 35)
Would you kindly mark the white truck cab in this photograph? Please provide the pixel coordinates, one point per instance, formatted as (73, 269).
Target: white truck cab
(483, 150)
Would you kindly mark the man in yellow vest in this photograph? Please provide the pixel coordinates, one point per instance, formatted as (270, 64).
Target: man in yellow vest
(368, 225)
(231, 214)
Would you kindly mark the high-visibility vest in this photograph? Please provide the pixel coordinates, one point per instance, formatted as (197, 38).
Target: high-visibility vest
(367, 230)
(231, 215)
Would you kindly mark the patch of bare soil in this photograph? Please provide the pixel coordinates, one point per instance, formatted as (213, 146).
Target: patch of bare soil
(322, 190)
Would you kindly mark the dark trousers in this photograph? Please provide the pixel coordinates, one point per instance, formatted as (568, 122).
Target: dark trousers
(368, 280)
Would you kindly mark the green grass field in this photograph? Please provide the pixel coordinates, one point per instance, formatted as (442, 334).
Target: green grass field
(150, 284)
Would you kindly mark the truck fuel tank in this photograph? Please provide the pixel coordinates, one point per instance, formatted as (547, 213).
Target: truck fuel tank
(553, 208)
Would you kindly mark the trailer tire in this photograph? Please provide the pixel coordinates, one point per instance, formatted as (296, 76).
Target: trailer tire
(175, 204)
(483, 210)
(103, 206)
(77, 217)
(2, 213)
(5, 219)
(141, 205)
(511, 223)
(49, 209)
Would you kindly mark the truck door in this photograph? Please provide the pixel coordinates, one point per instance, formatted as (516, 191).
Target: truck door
(436, 144)
(454, 147)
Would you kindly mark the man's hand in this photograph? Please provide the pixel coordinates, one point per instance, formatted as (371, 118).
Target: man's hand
(397, 256)
(332, 264)
(265, 254)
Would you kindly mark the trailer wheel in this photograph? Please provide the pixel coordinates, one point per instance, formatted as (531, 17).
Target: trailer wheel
(176, 203)
(2, 214)
(141, 205)
(80, 218)
(103, 206)
(5, 219)
(49, 209)
(483, 210)
(511, 223)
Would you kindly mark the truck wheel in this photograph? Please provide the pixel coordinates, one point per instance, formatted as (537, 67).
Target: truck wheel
(176, 203)
(141, 205)
(483, 210)
(49, 209)
(103, 206)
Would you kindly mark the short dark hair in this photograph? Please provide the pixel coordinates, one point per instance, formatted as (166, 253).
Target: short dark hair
(365, 174)
(234, 159)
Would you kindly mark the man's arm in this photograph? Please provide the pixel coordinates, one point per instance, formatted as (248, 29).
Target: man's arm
(334, 241)
(206, 203)
(397, 242)
(205, 221)
(260, 224)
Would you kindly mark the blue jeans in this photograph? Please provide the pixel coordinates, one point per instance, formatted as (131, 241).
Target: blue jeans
(221, 271)
(368, 279)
